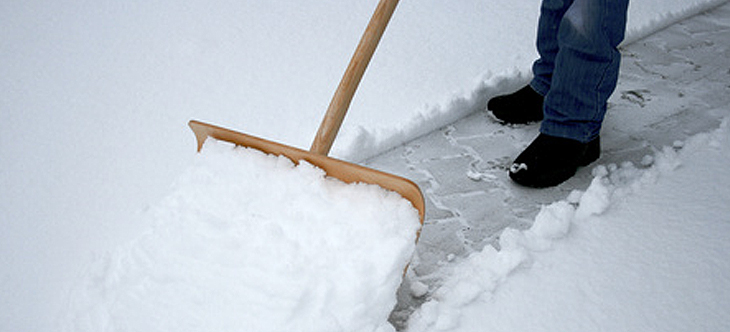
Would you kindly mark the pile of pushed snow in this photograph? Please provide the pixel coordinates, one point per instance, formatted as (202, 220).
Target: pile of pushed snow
(621, 256)
(251, 242)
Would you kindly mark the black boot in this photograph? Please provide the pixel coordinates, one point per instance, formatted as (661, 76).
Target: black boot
(548, 161)
(523, 106)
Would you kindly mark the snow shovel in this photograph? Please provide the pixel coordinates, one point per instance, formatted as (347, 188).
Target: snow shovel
(317, 154)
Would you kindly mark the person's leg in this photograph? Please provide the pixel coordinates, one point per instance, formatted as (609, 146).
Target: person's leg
(585, 68)
(526, 105)
(551, 15)
(583, 77)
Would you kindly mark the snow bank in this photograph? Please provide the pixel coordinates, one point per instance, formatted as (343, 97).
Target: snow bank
(620, 256)
(249, 242)
(365, 143)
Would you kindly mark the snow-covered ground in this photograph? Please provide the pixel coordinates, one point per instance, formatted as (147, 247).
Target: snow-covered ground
(96, 96)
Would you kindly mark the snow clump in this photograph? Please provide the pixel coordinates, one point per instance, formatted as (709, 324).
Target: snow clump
(251, 242)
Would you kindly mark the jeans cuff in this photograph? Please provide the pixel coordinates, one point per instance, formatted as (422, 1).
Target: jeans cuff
(582, 132)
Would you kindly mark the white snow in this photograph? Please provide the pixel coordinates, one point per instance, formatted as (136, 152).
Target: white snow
(95, 97)
(247, 240)
(641, 250)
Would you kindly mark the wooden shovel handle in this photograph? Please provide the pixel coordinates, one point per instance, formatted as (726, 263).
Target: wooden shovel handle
(351, 79)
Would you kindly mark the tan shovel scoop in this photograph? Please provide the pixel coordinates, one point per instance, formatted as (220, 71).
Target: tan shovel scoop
(317, 154)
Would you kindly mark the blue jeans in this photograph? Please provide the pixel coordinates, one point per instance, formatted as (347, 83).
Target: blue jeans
(579, 62)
